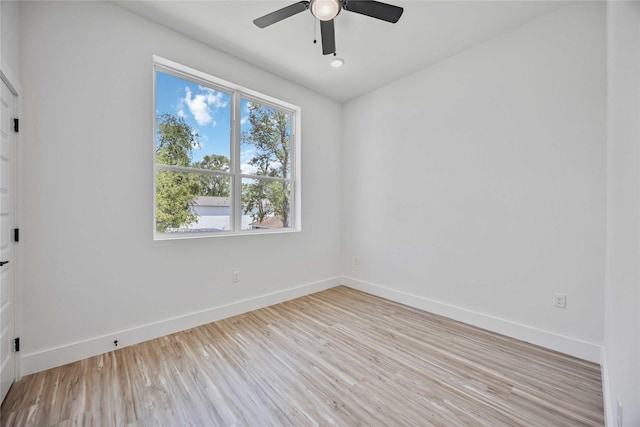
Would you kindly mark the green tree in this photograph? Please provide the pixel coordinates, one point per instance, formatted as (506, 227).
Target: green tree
(175, 191)
(270, 135)
(175, 140)
(214, 185)
(255, 200)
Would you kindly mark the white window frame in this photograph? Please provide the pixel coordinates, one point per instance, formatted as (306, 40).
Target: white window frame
(237, 93)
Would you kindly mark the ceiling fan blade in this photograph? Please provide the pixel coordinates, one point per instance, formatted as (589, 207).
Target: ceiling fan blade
(328, 37)
(279, 15)
(374, 9)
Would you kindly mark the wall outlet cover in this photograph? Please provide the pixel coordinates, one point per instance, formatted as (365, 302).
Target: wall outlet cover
(559, 300)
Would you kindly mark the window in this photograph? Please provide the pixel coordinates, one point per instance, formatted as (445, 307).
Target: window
(226, 158)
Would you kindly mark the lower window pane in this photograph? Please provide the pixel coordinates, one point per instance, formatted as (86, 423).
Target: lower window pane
(189, 202)
(266, 204)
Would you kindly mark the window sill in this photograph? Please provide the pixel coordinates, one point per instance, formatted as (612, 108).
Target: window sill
(206, 235)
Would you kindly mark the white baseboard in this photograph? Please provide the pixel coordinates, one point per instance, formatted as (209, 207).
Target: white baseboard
(609, 416)
(574, 347)
(57, 356)
(52, 357)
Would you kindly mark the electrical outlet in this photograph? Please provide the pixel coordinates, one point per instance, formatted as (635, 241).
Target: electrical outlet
(356, 260)
(236, 276)
(559, 300)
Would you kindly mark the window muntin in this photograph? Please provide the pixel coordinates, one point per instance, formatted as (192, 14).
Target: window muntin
(226, 158)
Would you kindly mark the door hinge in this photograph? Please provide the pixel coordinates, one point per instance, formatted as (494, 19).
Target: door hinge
(16, 344)
(16, 125)
(16, 234)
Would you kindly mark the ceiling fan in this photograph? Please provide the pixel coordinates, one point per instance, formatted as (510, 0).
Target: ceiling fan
(327, 10)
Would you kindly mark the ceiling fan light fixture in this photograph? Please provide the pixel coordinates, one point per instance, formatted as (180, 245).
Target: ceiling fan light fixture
(337, 62)
(325, 10)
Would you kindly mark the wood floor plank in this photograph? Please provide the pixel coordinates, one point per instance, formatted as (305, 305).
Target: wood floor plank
(339, 357)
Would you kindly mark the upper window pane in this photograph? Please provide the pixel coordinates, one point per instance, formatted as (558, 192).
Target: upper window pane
(266, 140)
(193, 124)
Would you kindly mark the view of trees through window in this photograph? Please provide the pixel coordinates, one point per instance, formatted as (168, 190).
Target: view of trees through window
(268, 135)
(216, 174)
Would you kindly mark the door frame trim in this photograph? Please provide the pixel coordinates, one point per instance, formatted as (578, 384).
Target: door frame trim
(11, 80)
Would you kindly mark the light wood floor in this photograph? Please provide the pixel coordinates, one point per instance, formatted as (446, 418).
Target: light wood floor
(338, 357)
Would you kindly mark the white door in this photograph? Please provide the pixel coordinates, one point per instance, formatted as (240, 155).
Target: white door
(7, 260)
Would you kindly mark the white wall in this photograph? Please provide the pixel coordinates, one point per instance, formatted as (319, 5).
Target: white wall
(9, 33)
(476, 188)
(93, 272)
(622, 296)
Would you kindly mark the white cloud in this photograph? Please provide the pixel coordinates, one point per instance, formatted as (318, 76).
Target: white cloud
(198, 106)
(248, 169)
(244, 120)
(214, 98)
(275, 165)
(201, 104)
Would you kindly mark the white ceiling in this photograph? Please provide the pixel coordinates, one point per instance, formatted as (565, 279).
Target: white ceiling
(375, 52)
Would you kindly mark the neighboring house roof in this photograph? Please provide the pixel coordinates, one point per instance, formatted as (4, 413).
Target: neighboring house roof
(268, 222)
(212, 201)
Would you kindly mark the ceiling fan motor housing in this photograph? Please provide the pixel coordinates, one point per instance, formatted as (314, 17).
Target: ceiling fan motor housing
(325, 10)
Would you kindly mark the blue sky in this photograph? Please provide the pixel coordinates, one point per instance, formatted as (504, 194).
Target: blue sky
(204, 109)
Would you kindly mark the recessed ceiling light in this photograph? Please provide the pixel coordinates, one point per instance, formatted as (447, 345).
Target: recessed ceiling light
(337, 62)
